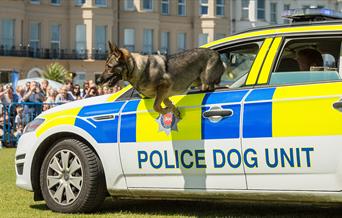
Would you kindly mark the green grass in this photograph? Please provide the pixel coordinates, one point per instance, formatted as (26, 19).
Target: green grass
(15, 202)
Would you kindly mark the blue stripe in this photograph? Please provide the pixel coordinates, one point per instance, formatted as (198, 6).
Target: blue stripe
(261, 94)
(224, 97)
(105, 131)
(128, 129)
(257, 117)
(229, 127)
(101, 109)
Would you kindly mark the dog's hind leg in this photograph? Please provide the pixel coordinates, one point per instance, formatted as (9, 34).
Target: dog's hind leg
(173, 108)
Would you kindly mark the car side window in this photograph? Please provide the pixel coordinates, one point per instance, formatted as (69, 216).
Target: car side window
(308, 60)
(238, 61)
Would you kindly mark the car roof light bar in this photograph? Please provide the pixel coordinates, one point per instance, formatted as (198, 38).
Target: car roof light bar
(311, 14)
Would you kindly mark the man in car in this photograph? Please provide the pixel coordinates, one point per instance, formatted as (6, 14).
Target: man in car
(309, 58)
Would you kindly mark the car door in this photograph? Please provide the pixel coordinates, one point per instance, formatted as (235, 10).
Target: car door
(165, 152)
(293, 120)
(202, 150)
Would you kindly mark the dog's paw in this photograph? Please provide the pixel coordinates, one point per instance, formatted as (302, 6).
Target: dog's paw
(177, 113)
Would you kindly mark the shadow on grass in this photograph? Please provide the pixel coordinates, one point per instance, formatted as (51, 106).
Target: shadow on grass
(210, 209)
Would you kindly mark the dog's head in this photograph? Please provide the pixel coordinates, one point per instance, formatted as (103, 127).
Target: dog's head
(116, 65)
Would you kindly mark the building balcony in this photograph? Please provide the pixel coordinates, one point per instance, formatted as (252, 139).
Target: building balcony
(47, 53)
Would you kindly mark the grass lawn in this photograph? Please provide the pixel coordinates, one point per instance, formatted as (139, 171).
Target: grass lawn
(15, 202)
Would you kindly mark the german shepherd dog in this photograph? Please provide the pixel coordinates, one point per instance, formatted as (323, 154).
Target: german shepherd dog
(161, 77)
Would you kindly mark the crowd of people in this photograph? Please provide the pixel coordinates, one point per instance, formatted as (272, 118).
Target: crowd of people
(20, 106)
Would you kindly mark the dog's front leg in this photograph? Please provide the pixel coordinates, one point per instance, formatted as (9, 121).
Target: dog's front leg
(160, 96)
(173, 108)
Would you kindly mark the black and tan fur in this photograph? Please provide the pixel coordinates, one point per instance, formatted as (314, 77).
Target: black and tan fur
(161, 77)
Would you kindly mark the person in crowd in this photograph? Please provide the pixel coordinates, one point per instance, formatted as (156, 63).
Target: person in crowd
(20, 92)
(85, 88)
(27, 86)
(64, 96)
(19, 118)
(77, 92)
(45, 85)
(92, 92)
(69, 86)
(34, 94)
(105, 90)
(50, 101)
(116, 88)
(100, 90)
(33, 98)
(8, 96)
(91, 83)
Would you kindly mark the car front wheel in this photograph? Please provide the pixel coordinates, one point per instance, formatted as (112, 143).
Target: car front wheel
(72, 178)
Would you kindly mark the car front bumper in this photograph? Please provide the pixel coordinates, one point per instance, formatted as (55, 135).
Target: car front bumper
(23, 160)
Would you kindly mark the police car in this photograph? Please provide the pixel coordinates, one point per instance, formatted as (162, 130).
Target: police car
(273, 133)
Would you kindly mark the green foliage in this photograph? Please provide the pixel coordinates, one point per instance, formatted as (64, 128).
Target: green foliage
(56, 72)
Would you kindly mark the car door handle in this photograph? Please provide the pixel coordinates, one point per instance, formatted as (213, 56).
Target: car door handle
(338, 105)
(217, 113)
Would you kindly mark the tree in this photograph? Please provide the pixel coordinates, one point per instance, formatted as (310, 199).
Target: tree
(56, 72)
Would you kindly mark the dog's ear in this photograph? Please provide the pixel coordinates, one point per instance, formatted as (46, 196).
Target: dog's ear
(114, 49)
(111, 47)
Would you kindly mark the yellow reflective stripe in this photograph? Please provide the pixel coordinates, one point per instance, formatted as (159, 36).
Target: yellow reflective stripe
(306, 110)
(254, 72)
(64, 117)
(320, 28)
(266, 68)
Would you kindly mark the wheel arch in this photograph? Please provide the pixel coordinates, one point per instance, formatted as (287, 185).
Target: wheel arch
(41, 152)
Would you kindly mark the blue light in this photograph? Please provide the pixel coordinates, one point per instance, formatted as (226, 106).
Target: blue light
(309, 14)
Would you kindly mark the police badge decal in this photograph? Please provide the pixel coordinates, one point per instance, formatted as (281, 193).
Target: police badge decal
(167, 122)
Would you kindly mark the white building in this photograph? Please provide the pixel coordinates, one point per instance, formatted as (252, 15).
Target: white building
(247, 14)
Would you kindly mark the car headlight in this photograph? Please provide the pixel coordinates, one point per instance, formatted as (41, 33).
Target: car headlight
(33, 125)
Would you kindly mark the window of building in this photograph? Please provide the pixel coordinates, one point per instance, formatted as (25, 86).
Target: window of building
(261, 9)
(101, 38)
(273, 12)
(148, 41)
(203, 39)
(286, 7)
(181, 8)
(129, 5)
(244, 9)
(55, 36)
(80, 35)
(164, 42)
(147, 5)
(164, 7)
(79, 2)
(219, 7)
(35, 1)
(35, 35)
(203, 7)
(308, 60)
(55, 2)
(129, 39)
(181, 42)
(7, 33)
(101, 3)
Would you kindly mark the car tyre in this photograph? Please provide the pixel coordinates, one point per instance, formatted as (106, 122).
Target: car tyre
(72, 178)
